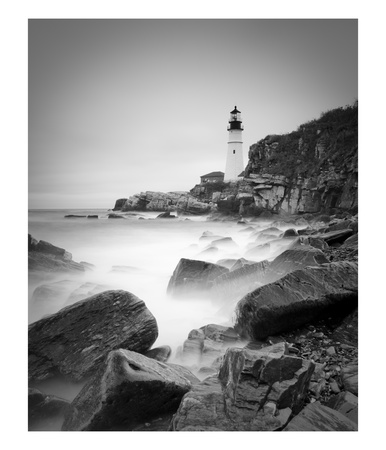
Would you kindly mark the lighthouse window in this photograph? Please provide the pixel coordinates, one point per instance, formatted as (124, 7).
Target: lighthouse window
(234, 151)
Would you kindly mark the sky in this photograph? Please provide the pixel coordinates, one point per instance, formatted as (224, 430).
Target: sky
(117, 107)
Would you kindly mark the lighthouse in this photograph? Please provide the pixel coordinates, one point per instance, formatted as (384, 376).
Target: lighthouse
(234, 165)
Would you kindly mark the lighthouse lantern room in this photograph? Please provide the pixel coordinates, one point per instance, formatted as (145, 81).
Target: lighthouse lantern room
(234, 164)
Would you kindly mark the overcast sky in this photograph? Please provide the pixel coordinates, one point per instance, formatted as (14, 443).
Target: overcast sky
(117, 107)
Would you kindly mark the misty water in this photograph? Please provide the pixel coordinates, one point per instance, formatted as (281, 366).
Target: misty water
(138, 256)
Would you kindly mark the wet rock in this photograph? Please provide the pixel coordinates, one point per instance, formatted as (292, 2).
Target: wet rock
(297, 298)
(75, 340)
(248, 394)
(119, 204)
(291, 232)
(161, 353)
(317, 417)
(129, 389)
(92, 216)
(347, 331)
(74, 216)
(335, 237)
(192, 276)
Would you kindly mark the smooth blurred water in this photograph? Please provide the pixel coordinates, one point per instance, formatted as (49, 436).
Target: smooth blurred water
(150, 250)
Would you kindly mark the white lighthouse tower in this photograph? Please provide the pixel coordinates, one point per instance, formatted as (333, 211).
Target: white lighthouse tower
(234, 165)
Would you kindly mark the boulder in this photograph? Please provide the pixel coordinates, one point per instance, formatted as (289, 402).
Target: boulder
(129, 389)
(241, 262)
(351, 242)
(161, 354)
(75, 340)
(297, 298)
(119, 204)
(191, 277)
(45, 412)
(255, 390)
(317, 417)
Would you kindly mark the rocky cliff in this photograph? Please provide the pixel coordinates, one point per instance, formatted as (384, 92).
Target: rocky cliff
(311, 170)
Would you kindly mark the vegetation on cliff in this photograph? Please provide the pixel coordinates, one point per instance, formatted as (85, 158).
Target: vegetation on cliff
(314, 146)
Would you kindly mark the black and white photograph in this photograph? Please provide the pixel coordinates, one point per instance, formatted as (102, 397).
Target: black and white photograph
(190, 187)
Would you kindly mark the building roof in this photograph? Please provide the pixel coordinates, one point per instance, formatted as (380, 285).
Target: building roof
(213, 174)
(235, 111)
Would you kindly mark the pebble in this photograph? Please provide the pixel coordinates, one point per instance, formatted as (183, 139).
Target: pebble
(330, 351)
(319, 335)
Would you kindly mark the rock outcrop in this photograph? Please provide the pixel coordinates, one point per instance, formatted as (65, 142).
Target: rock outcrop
(297, 298)
(254, 391)
(75, 340)
(45, 257)
(128, 389)
(182, 202)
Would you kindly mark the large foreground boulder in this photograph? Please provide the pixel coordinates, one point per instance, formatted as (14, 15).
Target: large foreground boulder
(127, 390)
(191, 277)
(297, 298)
(75, 340)
(256, 390)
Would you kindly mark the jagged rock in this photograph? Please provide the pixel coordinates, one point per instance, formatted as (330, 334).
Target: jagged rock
(297, 298)
(345, 403)
(258, 251)
(191, 277)
(45, 257)
(224, 243)
(87, 266)
(317, 417)
(45, 411)
(228, 263)
(119, 204)
(349, 376)
(75, 340)
(128, 390)
(161, 354)
(239, 263)
(254, 391)
(207, 343)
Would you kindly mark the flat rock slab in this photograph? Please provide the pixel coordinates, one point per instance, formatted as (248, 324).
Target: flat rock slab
(349, 376)
(75, 340)
(317, 417)
(297, 298)
(128, 390)
(346, 403)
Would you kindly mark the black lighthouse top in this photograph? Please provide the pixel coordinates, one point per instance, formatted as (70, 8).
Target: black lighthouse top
(235, 120)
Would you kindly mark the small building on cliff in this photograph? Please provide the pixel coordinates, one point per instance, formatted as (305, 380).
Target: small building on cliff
(212, 177)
